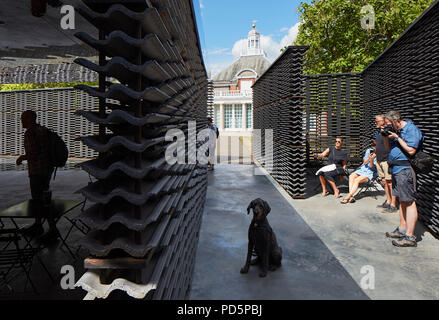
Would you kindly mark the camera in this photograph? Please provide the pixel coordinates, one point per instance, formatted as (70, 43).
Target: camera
(386, 130)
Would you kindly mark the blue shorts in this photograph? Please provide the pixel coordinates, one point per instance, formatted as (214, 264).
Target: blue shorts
(403, 185)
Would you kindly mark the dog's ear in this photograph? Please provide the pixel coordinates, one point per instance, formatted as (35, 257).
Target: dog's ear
(266, 207)
(250, 206)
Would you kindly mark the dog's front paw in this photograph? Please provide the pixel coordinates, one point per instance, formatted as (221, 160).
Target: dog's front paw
(244, 269)
(263, 274)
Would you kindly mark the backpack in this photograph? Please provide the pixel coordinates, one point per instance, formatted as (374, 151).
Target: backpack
(58, 152)
(421, 162)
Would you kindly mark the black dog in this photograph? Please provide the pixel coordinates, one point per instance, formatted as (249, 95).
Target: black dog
(262, 241)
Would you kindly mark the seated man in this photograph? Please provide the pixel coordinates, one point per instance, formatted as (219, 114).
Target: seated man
(365, 173)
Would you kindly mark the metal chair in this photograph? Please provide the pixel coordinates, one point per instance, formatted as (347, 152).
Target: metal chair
(371, 185)
(15, 258)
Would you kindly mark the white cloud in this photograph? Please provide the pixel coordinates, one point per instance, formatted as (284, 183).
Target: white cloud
(291, 36)
(239, 47)
(217, 51)
(214, 68)
(284, 29)
(201, 4)
(270, 46)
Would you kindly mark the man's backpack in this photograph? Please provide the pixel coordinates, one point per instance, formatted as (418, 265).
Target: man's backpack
(58, 152)
(421, 162)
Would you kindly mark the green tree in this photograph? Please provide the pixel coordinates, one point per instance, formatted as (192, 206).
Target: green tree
(28, 86)
(338, 43)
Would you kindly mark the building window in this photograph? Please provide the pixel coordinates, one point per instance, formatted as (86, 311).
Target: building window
(228, 114)
(249, 111)
(237, 116)
(217, 115)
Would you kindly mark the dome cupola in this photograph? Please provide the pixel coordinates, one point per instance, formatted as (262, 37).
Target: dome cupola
(254, 42)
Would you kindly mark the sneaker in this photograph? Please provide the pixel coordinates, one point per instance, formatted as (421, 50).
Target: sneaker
(385, 205)
(406, 241)
(390, 209)
(395, 234)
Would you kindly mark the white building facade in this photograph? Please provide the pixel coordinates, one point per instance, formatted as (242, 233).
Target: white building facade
(233, 99)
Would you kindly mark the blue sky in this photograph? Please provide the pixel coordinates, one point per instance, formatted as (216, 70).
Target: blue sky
(223, 26)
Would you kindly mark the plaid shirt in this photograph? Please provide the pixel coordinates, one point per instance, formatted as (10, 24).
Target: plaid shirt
(36, 146)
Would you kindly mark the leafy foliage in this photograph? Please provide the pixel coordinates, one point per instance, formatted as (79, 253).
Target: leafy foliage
(28, 86)
(338, 43)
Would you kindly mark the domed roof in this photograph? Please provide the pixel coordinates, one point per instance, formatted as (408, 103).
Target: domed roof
(256, 63)
(253, 31)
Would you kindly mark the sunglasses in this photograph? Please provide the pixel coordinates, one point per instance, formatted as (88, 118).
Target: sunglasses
(337, 141)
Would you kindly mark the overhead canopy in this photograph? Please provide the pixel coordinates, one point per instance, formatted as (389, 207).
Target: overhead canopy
(26, 40)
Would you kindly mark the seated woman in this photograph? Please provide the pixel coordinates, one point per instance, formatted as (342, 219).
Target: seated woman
(366, 172)
(337, 159)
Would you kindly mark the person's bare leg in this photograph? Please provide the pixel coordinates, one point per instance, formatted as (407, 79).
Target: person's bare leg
(402, 215)
(392, 198)
(411, 216)
(352, 178)
(323, 183)
(334, 188)
(388, 190)
(357, 181)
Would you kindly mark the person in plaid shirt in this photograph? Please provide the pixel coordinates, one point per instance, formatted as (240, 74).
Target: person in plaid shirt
(36, 146)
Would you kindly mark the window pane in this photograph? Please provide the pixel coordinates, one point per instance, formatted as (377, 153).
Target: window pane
(238, 116)
(249, 115)
(227, 116)
(217, 119)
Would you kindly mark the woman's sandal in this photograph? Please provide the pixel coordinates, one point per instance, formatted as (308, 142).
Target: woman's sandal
(326, 194)
(344, 201)
(352, 200)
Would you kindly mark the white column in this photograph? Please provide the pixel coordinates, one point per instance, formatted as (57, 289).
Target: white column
(244, 117)
(221, 116)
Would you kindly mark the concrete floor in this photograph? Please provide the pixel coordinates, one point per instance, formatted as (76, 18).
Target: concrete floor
(325, 246)
(15, 189)
(309, 270)
(324, 243)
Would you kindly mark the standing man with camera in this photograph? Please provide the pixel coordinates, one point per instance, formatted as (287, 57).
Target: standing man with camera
(402, 140)
(382, 155)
